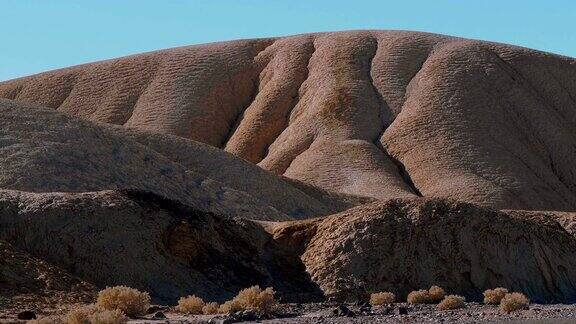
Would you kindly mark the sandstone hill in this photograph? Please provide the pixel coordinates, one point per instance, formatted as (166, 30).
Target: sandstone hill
(325, 165)
(371, 113)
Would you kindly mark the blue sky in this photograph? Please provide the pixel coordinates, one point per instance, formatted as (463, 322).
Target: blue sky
(47, 34)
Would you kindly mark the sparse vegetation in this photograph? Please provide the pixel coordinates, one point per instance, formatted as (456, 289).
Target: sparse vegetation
(130, 301)
(382, 298)
(80, 315)
(433, 295)
(210, 308)
(253, 298)
(514, 301)
(88, 314)
(256, 299)
(46, 320)
(229, 307)
(436, 294)
(452, 302)
(494, 296)
(107, 317)
(418, 297)
(190, 305)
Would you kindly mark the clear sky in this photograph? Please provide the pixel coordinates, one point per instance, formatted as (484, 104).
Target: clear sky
(42, 35)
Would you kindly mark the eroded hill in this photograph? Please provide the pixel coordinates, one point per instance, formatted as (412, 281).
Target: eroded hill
(325, 165)
(371, 113)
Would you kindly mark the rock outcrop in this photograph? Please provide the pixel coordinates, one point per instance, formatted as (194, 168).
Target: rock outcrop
(405, 245)
(151, 243)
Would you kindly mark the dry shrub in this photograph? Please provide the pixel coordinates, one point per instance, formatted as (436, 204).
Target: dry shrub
(46, 320)
(256, 299)
(92, 314)
(418, 297)
(80, 315)
(494, 296)
(382, 298)
(210, 308)
(190, 305)
(107, 317)
(229, 307)
(436, 294)
(129, 300)
(514, 301)
(433, 295)
(452, 302)
(253, 298)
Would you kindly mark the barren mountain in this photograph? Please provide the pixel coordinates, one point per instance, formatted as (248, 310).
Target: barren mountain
(371, 113)
(325, 165)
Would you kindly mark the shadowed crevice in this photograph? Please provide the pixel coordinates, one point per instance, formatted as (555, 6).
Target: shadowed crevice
(385, 121)
(295, 102)
(255, 89)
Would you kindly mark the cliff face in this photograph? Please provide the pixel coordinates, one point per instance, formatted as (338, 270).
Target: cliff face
(249, 133)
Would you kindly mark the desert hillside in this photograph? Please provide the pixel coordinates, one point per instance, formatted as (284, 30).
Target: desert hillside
(326, 165)
(374, 114)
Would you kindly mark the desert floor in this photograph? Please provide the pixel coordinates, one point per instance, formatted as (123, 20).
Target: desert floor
(332, 313)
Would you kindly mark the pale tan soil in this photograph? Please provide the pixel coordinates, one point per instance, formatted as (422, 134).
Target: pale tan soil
(380, 114)
(327, 165)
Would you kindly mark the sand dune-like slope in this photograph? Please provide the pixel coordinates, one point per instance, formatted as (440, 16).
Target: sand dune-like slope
(288, 196)
(372, 113)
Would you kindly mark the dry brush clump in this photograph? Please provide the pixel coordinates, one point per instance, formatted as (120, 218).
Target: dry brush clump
(452, 302)
(107, 317)
(190, 305)
(418, 297)
(130, 301)
(46, 320)
(229, 307)
(253, 298)
(80, 315)
(514, 301)
(87, 314)
(436, 294)
(382, 298)
(433, 295)
(494, 296)
(210, 308)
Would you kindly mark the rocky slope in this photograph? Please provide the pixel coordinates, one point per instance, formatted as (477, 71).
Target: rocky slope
(27, 281)
(152, 243)
(325, 165)
(169, 249)
(406, 245)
